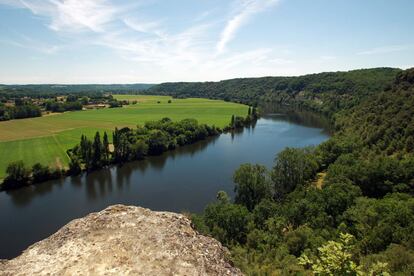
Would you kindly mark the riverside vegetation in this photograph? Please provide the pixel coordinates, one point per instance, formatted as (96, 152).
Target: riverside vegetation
(153, 138)
(46, 139)
(358, 220)
(344, 207)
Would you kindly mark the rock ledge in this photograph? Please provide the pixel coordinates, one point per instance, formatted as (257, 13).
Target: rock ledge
(122, 240)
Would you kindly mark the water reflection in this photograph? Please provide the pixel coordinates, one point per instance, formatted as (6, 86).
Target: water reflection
(297, 116)
(100, 183)
(187, 178)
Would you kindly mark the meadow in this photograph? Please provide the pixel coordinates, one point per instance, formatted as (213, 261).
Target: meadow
(46, 139)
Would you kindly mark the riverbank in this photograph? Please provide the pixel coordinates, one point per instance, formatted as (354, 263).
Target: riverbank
(184, 179)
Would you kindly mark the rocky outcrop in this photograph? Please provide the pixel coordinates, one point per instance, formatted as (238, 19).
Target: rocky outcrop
(124, 240)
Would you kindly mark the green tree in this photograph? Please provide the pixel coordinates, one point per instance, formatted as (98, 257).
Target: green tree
(105, 148)
(252, 185)
(292, 167)
(336, 258)
(97, 151)
(139, 149)
(75, 165)
(40, 173)
(158, 142)
(228, 222)
(18, 175)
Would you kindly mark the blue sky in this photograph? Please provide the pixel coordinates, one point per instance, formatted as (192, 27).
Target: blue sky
(130, 41)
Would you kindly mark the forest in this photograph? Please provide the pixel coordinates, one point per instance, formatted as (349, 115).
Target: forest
(43, 90)
(344, 207)
(323, 92)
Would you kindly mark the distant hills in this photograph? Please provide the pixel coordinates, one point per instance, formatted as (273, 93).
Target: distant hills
(322, 92)
(76, 88)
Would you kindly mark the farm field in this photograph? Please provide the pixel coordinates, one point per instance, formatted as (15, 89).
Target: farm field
(46, 139)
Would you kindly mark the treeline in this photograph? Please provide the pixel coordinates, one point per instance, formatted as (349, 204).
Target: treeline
(19, 175)
(345, 207)
(154, 138)
(135, 144)
(324, 92)
(44, 90)
(19, 106)
(19, 111)
(54, 106)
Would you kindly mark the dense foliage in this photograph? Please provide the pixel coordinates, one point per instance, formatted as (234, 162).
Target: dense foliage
(154, 138)
(134, 144)
(19, 103)
(324, 92)
(90, 90)
(19, 112)
(358, 222)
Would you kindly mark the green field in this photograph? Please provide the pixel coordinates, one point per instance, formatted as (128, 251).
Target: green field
(46, 139)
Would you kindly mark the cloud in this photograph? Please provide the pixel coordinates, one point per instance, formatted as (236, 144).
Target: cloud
(149, 27)
(150, 45)
(70, 15)
(246, 10)
(385, 50)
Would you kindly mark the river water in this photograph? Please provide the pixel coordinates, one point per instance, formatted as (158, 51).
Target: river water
(185, 179)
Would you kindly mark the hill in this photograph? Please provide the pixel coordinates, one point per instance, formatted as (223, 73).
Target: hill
(362, 207)
(324, 92)
(62, 89)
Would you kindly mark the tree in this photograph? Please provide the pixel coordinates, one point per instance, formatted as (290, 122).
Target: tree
(17, 175)
(252, 185)
(40, 173)
(228, 222)
(139, 149)
(97, 151)
(336, 258)
(292, 167)
(75, 165)
(86, 152)
(105, 148)
(158, 142)
(255, 113)
(377, 223)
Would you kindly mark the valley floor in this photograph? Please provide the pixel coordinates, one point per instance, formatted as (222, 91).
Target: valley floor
(46, 139)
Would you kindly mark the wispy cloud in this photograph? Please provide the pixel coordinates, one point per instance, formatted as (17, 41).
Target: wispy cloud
(188, 52)
(246, 10)
(385, 50)
(73, 15)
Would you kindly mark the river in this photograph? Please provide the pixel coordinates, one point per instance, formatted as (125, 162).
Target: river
(185, 179)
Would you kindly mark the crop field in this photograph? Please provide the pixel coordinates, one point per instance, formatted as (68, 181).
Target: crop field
(46, 139)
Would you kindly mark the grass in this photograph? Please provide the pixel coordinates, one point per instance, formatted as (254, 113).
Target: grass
(46, 139)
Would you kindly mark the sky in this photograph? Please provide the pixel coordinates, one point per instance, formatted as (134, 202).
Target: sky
(153, 41)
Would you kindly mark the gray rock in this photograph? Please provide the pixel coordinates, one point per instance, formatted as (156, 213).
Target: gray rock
(124, 240)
